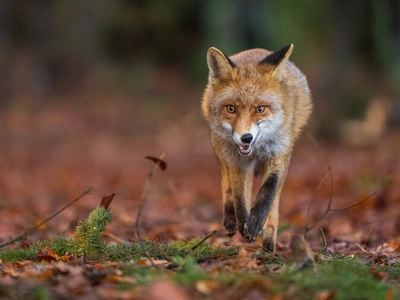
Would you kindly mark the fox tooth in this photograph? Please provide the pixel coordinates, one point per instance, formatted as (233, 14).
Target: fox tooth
(245, 150)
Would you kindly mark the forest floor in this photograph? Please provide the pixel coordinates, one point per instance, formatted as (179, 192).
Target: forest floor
(53, 151)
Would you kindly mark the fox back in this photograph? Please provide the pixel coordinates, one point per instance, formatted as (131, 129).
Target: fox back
(256, 103)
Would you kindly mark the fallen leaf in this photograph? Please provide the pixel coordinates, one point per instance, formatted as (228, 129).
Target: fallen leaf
(47, 255)
(12, 272)
(326, 295)
(106, 200)
(23, 263)
(119, 279)
(166, 290)
(206, 287)
(160, 162)
(37, 273)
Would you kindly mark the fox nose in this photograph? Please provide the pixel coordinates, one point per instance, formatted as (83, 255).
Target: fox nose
(247, 138)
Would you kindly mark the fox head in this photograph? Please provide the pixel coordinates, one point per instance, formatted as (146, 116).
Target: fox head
(244, 101)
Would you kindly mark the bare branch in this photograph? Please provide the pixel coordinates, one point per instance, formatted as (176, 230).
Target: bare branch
(321, 231)
(328, 208)
(141, 206)
(354, 205)
(314, 197)
(205, 238)
(20, 237)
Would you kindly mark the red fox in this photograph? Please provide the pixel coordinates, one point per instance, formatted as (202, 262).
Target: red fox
(256, 103)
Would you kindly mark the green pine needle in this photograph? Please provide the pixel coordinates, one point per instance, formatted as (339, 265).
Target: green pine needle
(88, 242)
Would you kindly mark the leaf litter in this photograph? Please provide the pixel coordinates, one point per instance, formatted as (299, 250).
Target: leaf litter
(45, 166)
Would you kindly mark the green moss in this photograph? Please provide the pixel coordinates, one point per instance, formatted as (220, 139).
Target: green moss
(346, 279)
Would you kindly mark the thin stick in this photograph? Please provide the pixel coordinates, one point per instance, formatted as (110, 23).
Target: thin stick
(141, 206)
(315, 196)
(328, 208)
(21, 236)
(354, 205)
(205, 239)
(321, 231)
(114, 237)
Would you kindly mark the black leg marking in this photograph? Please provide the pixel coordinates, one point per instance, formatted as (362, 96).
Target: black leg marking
(260, 210)
(229, 219)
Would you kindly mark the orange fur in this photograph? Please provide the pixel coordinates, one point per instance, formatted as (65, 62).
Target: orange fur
(256, 103)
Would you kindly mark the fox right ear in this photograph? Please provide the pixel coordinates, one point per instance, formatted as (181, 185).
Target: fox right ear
(219, 65)
(277, 59)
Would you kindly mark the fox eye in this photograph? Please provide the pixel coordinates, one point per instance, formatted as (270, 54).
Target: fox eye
(260, 109)
(231, 109)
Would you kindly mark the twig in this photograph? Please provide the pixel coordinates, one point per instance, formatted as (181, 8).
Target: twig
(354, 205)
(314, 197)
(141, 206)
(328, 208)
(114, 237)
(21, 236)
(321, 231)
(176, 194)
(205, 239)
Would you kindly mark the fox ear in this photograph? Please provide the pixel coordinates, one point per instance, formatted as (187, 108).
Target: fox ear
(277, 58)
(219, 64)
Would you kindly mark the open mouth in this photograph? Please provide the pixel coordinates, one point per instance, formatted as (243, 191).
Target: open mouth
(245, 150)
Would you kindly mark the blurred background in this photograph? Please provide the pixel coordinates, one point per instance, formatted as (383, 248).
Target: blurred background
(348, 49)
(88, 88)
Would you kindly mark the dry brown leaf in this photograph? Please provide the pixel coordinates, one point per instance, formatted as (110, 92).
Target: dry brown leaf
(106, 200)
(12, 272)
(119, 279)
(206, 286)
(37, 273)
(326, 295)
(166, 290)
(160, 162)
(47, 255)
(23, 263)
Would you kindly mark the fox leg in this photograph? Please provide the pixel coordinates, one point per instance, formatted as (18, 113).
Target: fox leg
(241, 183)
(270, 227)
(265, 211)
(229, 220)
(261, 208)
(236, 189)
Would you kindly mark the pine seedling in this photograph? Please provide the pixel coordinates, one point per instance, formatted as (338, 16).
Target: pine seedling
(89, 233)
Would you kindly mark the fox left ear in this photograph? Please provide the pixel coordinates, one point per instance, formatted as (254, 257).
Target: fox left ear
(219, 65)
(277, 58)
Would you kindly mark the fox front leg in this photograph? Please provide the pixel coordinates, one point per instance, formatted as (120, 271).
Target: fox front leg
(261, 208)
(229, 220)
(241, 182)
(236, 185)
(270, 228)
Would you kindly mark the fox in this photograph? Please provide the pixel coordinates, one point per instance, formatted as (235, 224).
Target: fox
(256, 103)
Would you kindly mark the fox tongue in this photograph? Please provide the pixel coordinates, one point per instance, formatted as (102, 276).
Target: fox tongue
(245, 150)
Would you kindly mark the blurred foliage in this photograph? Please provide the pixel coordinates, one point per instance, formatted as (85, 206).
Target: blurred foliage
(348, 48)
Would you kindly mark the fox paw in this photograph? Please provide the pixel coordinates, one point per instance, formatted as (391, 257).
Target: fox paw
(230, 225)
(252, 229)
(230, 232)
